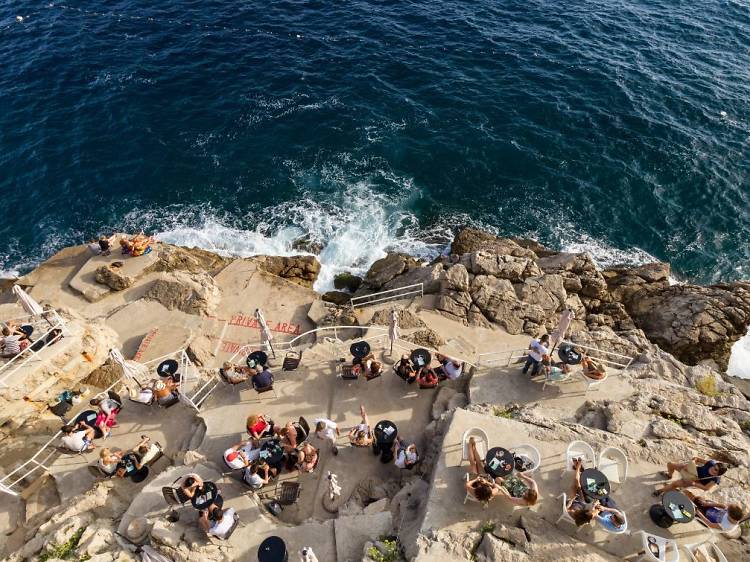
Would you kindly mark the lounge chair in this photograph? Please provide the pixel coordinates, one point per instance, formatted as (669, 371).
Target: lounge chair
(579, 450)
(614, 464)
(708, 549)
(530, 453)
(667, 548)
(481, 440)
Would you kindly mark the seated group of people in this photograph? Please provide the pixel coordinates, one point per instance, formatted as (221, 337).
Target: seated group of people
(124, 464)
(704, 474)
(539, 358)
(367, 366)
(425, 375)
(518, 489)
(260, 375)
(205, 496)
(17, 339)
(165, 391)
(79, 435)
(584, 510)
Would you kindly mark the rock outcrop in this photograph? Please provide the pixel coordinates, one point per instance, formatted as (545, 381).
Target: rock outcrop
(113, 277)
(302, 270)
(190, 293)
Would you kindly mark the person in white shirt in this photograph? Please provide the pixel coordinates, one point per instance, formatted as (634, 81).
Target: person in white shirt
(217, 522)
(361, 435)
(405, 457)
(328, 431)
(253, 476)
(78, 437)
(537, 350)
(449, 368)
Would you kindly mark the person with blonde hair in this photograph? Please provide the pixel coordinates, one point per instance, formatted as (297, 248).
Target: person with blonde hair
(361, 434)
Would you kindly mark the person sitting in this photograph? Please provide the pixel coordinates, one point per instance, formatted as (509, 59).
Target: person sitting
(538, 348)
(11, 342)
(581, 511)
(519, 489)
(78, 437)
(477, 485)
(259, 426)
(138, 245)
(723, 517)
(611, 518)
(361, 435)
(235, 374)
(405, 456)
(696, 473)
(257, 475)
(306, 458)
(189, 486)
(108, 461)
(135, 459)
(449, 368)
(427, 378)
(106, 417)
(593, 369)
(262, 378)
(405, 369)
(105, 244)
(166, 391)
(289, 436)
(206, 495)
(216, 522)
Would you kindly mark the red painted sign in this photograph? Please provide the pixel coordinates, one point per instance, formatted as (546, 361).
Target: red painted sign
(252, 322)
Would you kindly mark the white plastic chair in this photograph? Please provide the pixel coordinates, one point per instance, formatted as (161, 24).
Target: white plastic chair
(565, 516)
(469, 497)
(620, 531)
(481, 440)
(548, 380)
(614, 464)
(668, 549)
(528, 452)
(579, 450)
(708, 549)
(593, 382)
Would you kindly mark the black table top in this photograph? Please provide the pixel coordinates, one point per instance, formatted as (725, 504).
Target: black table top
(167, 368)
(568, 355)
(420, 357)
(359, 349)
(385, 431)
(594, 484)
(678, 506)
(271, 452)
(272, 549)
(259, 357)
(499, 462)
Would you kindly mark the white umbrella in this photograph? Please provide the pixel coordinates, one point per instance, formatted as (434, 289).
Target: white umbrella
(393, 328)
(128, 370)
(558, 334)
(265, 333)
(28, 303)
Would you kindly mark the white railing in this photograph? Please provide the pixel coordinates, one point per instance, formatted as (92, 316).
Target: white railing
(380, 333)
(45, 323)
(393, 294)
(193, 391)
(507, 357)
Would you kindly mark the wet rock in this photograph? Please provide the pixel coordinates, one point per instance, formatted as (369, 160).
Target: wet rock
(470, 240)
(112, 277)
(301, 270)
(387, 268)
(189, 293)
(347, 281)
(307, 244)
(336, 297)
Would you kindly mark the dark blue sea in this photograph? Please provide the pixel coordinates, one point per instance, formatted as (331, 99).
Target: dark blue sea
(618, 127)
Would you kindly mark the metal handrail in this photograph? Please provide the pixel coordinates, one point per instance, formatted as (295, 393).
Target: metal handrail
(19, 360)
(518, 353)
(354, 302)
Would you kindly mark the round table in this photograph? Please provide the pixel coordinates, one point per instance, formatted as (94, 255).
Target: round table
(271, 452)
(258, 358)
(594, 484)
(273, 549)
(359, 349)
(167, 368)
(421, 357)
(206, 496)
(569, 355)
(499, 462)
(385, 432)
(678, 506)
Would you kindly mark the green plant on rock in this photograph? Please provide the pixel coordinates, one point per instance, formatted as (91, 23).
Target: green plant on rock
(500, 413)
(745, 425)
(487, 527)
(390, 553)
(707, 386)
(64, 550)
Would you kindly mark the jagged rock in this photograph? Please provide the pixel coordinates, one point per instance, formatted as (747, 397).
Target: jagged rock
(387, 268)
(578, 264)
(347, 281)
(191, 260)
(426, 337)
(201, 351)
(336, 297)
(693, 323)
(547, 292)
(190, 293)
(665, 429)
(104, 375)
(167, 533)
(454, 303)
(406, 318)
(301, 270)
(307, 244)
(328, 314)
(456, 278)
(470, 240)
(113, 277)
(515, 269)
(428, 275)
(497, 300)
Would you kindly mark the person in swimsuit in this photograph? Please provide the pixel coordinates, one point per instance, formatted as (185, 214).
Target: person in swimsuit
(361, 435)
(405, 369)
(478, 485)
(307, 458)
(578, 508)
(715, 515)
(698, 472)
